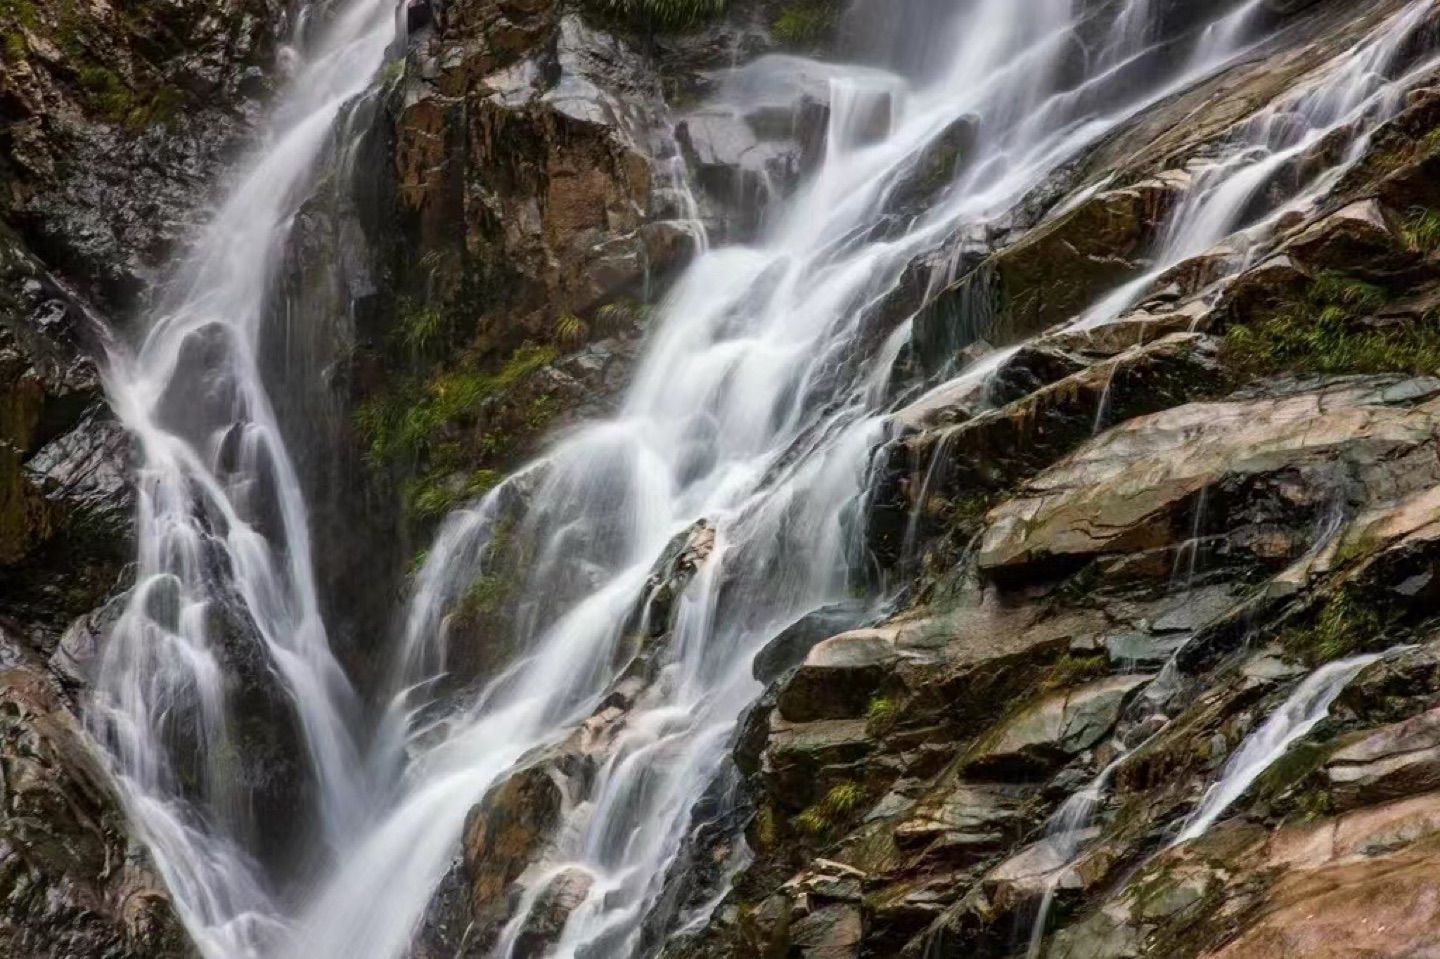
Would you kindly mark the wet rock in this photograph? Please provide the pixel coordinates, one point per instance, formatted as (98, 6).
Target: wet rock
(797, 753)
(939, 471)
(963, 821)
(1025, 371)
(65, 498)
(503, 835)
(76, 883)
(551, 910)
(1059, 725)
(833, 932)
(1358, 240)
(838, 677)
(1123, 491)
(1390, 763)
(1053, 273)
(791, 646)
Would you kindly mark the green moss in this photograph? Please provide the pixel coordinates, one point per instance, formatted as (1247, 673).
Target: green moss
(805, 23)
(16, 47)
(484, 597)
(1327, 334)
(392, 72)
(541, 411)
(106, 93)
(438, 492)
(22, 12)
(767, 831)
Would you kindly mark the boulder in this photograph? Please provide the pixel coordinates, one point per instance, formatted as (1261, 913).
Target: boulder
(1357, 240)
(792, 645)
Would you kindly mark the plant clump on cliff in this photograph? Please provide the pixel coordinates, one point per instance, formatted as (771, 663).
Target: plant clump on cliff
(661, 14)
(1335, 329)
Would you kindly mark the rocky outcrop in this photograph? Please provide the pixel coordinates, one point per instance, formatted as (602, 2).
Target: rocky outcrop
(1126, 544)
(76, 883)
(114, 119)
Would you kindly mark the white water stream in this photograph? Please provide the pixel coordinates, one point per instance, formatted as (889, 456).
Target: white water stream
(750, 411)
(1307, 705)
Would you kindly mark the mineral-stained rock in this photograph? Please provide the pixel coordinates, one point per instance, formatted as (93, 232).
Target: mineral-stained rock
(503, 835)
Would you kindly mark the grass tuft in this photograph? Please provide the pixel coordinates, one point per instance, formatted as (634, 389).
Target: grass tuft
(1332, 331)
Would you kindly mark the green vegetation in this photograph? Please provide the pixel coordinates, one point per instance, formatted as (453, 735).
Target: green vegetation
(661, 14)
(407, 421)
(766, 830)
(805, 23)
(106, 93)
(484, 597)
(419, 327)
(571, 330)
(489, 592)
(1344, 625)
(22, 12)
(1332, 331)
(842, 800)
(1071, 670)
(880, 714)
(438, 492)
(1422, 230)
(614, 317)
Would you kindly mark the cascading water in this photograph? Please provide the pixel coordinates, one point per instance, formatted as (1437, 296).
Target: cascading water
(1307, 705)
(224, 558)
(1349, 100)
(751, 413)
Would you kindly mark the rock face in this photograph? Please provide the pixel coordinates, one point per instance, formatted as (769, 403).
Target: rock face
(75, 883)
(1125, 544)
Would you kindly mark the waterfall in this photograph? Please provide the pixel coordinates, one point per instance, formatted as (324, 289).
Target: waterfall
(224, 567)
(752, 412)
